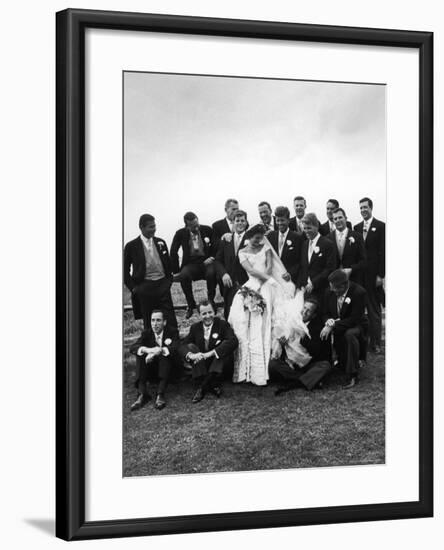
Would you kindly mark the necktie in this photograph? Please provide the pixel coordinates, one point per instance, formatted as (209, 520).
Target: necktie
(281, 243)
(341, 243)
(310, 250)
(159, 340)
(236, 242)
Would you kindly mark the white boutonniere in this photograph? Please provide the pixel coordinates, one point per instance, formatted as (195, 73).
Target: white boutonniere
(289, 242)
(215, 335)
(290, 247)
(316, 250)
(217, 343)
(351, 240)
(246, 242)
(206, 239)
(373, 228)
(168, 341)
(347, 300)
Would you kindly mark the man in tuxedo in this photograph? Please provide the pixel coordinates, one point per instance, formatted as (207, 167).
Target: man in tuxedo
(209, 348)
(196, 242)
(319, 366)
(373, 232)
(225, 225)
(156, 356)
(228, 268)
(296, 225)
(147, 273)
(350, 250)
(286, 243)
(266, 216)
(329, 225)
(318, 259)
(345, 319)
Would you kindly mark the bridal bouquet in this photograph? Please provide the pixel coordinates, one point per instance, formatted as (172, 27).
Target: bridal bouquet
(253, 301)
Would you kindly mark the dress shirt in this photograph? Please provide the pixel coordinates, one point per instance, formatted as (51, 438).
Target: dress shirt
(366, 228)
(341, 236)
(340, 301)
(237, 241)
(282, 239)
(311, 245)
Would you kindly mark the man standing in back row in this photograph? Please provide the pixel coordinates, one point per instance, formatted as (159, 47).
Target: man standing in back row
(373, 232)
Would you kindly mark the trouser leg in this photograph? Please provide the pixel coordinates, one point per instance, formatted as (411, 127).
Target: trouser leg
(210, 276)
(186, 277)
(374, 316)
(164, 371)
(351, 351)
(165, 303)
(314, 374)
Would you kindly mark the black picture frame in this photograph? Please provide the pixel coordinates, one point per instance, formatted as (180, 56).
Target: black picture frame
(70, 277)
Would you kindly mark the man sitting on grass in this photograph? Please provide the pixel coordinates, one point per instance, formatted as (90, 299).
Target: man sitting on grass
(156, 356)
(310, 376)
(209, 348)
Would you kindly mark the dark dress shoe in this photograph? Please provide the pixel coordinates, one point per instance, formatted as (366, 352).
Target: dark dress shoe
(140, 402)
(160, 402)
(189, 312)
(351, 384)
(217, 391)
(198, 396)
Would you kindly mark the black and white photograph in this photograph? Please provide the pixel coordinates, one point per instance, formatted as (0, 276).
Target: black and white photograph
(254, 274)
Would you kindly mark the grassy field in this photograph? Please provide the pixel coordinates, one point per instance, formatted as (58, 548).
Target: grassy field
(249, 428)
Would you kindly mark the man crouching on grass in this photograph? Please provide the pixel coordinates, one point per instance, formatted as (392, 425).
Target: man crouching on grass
(156, 355)
(209, 348)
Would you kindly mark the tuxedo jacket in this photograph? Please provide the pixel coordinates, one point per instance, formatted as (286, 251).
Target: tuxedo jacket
(227, 261)
(320, 350)
(170, 340)
(291, 252)
(181, 239)
(375, 248)
(321, 264)
(220, 227)
(354, 255)
(294, 227)
(324, 228)
(352, 313)
(222, 338)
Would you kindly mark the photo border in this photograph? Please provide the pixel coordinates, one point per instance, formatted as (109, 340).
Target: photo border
(70, 273)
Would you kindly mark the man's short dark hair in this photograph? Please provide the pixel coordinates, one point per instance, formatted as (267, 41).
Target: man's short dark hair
(255, 230)
(264, 203)
(338, 277)
(366, 199)
(299, 198)
(189, 217)
(204, 303)
(240, 213)
(311, 219)
(158, 311)
(313, 300)
(336, 210)
(146, 218)
(229, 201)
(334, 201)
(282, 212)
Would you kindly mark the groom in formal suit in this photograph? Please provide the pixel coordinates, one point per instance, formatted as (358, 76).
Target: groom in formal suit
(228, 268)
(326, 228)
(345, 319)
(373, 232)
(318, 259)
(147, 273)
(196, 242)
(350, 250)
(156, 357)
(209, 348)
(286, 243)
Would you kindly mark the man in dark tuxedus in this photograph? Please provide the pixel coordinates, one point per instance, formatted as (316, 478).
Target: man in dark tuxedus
(345, 320)
(318, 259)
(266, 216)
(329, 226)
(225, 225)
(228, 268)
(147, 273)
(300, 205)
(373, 232)
(319, 366)
(286, 243)
(350, 250)
(156, 357)
(209, 348)
(196, 242)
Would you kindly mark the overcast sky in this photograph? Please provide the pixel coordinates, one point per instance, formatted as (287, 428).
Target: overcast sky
(190, 142)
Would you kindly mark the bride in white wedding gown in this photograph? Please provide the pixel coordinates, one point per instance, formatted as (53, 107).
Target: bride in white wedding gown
(263, 311)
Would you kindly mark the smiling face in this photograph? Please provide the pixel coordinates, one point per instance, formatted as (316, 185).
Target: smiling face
(366, 211)
(308, 311)
(340, 220)
(299, 208)
(231, 210)
(193, 225)
(256, 240)
(148, 230)
(310, 230)
(330, 209)
(157, 322)
(282, 223)
(240, 224)
(265, 214)
(207, 314)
